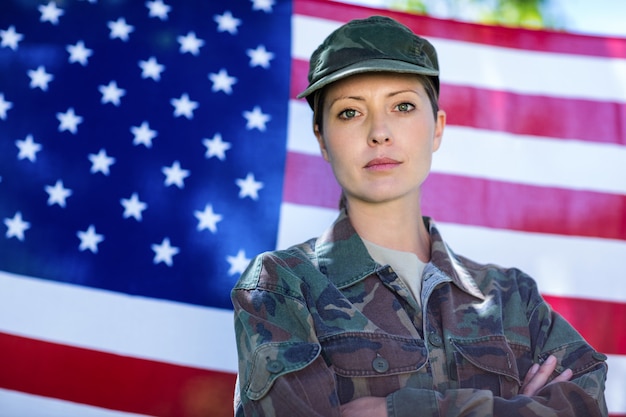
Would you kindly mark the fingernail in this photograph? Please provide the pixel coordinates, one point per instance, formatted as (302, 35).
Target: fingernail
(551, 359)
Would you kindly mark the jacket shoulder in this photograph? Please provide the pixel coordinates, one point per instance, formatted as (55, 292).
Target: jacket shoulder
(279, 269)
(491, 277)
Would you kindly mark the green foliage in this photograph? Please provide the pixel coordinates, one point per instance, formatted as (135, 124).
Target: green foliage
(533, 14)
(526, 13)
(414, 6)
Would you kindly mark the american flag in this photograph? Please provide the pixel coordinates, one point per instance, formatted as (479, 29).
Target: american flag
(149, 149)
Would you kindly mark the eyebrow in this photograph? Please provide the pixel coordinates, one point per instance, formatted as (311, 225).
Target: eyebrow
(359, 98)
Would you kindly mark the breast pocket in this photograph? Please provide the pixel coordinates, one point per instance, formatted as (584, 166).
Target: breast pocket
(490, 363)
(375, 364)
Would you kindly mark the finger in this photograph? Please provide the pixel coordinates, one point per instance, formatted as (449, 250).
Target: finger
(541, 377)
(531, 372)
(566, 375)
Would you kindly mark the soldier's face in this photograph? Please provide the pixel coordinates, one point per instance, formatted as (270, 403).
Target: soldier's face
(379, 134)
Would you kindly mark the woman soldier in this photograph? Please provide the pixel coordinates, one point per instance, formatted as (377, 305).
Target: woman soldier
(377, 316)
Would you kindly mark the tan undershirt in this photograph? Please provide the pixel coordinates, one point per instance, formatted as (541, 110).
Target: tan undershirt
(405, 264)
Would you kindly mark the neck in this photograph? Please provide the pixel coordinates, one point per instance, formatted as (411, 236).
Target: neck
(396, 225)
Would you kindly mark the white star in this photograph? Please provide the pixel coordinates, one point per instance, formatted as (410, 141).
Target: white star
(143, 134)
(216, 147)
(40, 78)
(183, 106)
(133, 207)
(69, 121)
(89, 239)
(265, 5)
(260, 57)
(175, 175)
(249, 187)
(120, 29)
(111, 93)
(227, 23)
(189, 43)
(57, 194)
(10, 38)
(78, 53)
(207, 219)
(164, 252)
(256, 119)
(151, 69)
(16, 226)
(158, 9)
(4, 106)
(222, 81)
(238, 264)
(50, 13)
(101, 162)
(28, 148)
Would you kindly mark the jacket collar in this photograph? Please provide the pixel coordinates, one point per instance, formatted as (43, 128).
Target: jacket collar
(344, 259)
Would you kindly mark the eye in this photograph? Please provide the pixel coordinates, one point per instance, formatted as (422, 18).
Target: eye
(405, 107)
(348, 114)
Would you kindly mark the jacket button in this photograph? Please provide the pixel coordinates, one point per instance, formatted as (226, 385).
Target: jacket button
(599, 356)
(380, 364)
(275, 366)
(435, 340)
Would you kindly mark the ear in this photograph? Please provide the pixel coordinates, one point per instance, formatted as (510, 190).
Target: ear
(440, 124)
(320, 142)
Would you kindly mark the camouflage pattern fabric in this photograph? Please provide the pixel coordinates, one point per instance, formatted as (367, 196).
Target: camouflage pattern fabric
(321, 324)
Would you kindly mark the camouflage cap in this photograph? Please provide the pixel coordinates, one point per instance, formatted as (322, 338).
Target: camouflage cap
(375, 44)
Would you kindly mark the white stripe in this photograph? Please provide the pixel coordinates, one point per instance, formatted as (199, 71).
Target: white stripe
(19, 404)
(300, 137)
(561, 265)
(299, 223)
(531, 72)
(114, 322)
(614, 392)
(482, 66)
(532, 160)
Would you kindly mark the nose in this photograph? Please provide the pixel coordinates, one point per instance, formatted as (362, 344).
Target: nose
(380, 133)
(379, 140)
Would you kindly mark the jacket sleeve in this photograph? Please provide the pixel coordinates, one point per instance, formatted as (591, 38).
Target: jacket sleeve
(562, 399)
(551, 334)
(281, 371)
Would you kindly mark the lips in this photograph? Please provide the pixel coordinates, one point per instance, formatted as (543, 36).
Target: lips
(382, 163)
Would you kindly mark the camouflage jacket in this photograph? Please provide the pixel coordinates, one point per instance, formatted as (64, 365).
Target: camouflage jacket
(321, 324)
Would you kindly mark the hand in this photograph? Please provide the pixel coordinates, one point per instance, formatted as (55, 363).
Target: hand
(365, 407)
(538, 376)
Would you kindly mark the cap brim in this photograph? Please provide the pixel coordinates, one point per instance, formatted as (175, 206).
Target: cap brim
(373, 65)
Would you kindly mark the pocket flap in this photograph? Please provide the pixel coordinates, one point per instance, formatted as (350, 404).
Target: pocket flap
(271, 360)
(354, 354)
(490, 353)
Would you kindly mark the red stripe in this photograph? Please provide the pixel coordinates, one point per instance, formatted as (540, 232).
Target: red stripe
(309, 181)
(504, 205)
(480, 202)
(112, 381)
(602, 323)
(554, 117)
(147, 387)
(534, 40)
